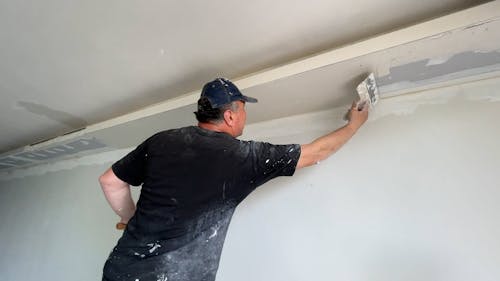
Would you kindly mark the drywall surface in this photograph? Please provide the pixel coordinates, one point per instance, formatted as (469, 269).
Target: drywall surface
(55, 225)
(414, 196)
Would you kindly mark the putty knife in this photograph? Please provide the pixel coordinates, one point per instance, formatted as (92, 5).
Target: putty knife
(368, 93)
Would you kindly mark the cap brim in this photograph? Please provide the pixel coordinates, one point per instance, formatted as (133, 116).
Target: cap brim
(249, 99)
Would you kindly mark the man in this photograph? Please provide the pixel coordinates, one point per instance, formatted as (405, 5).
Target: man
(192, 180)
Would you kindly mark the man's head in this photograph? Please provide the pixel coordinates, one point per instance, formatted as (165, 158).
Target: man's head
(221, 107)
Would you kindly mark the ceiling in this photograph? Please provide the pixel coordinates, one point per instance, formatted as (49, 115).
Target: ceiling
(99, 79)
(69, 64)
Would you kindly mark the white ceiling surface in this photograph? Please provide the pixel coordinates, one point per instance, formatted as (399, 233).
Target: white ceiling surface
(68, 64)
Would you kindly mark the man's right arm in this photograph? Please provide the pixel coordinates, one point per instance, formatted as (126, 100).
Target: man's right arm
(323, 147)
(117, 193)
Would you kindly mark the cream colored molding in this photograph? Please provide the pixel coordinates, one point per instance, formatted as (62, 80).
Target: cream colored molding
(462, 19)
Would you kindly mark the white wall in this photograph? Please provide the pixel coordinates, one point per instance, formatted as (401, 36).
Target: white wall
(414, 196)
(55, 226)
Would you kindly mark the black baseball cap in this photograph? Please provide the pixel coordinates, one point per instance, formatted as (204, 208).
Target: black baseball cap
(221, 91)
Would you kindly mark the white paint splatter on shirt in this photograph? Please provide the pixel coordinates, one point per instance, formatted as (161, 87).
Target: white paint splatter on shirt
(153, 246)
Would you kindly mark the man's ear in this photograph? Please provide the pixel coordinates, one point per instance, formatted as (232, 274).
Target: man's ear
(228, 118)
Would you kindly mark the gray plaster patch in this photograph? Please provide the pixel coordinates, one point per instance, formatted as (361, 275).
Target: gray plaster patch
(12, 161)
(61, 150)
(2, 166)
(432, 70)
(56, 151)
(55, 115)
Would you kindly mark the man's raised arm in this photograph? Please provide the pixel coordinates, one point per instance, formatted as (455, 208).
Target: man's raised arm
(321, 148)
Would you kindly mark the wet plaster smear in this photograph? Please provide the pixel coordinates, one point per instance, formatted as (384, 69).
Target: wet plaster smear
(435, 70)
(413, 196)
(453, 55)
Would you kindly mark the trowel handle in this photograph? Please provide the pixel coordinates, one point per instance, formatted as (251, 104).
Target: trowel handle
(361, 104)
(121, 226)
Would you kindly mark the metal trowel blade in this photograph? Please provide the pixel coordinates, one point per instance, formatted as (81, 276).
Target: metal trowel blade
(368, 91)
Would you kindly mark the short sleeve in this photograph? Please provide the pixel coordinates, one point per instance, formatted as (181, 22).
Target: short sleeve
(270, 161)
(131, 168)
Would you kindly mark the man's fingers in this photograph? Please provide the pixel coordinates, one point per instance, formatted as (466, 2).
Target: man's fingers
(354, 105)
(362, 105)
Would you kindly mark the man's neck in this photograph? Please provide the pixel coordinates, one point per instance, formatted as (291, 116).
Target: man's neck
(215, 127)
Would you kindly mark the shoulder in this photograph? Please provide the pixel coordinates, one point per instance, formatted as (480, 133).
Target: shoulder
(172, 133)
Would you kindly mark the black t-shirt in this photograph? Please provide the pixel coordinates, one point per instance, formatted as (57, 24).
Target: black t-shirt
(192, 180)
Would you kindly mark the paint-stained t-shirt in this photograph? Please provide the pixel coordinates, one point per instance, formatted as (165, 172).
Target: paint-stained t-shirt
(192, 180)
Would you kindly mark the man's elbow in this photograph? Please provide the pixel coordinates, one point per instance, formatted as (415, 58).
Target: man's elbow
(104, 182)
(102, 179)
(109, 181)
(106, 179)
